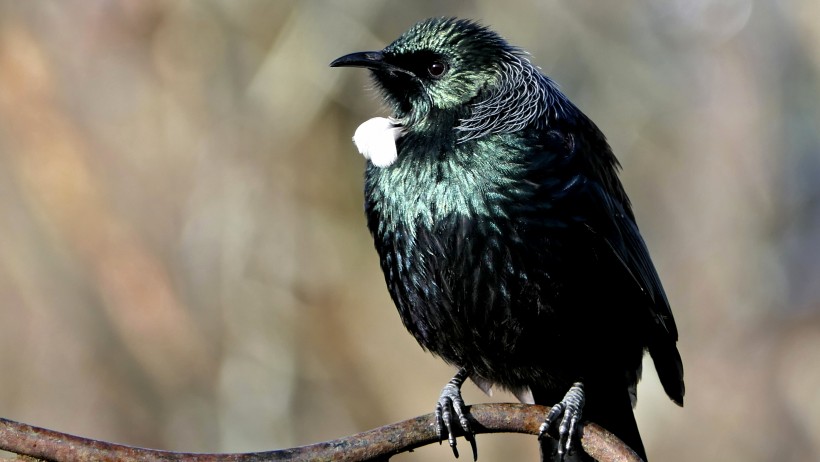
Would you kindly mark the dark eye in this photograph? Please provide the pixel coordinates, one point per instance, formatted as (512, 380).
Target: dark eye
(437, 69)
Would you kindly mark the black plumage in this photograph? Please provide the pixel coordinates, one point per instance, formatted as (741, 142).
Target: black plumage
(506, 239)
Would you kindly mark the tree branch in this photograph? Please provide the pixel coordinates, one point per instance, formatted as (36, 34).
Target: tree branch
(373, 445)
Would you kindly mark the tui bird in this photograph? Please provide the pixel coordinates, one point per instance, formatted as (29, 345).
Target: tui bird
(506, 239)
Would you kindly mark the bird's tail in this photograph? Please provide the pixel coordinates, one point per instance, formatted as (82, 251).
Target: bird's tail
(667, 361)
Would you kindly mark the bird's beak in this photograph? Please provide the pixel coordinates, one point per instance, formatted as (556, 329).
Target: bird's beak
(368, 59)
(373, 60)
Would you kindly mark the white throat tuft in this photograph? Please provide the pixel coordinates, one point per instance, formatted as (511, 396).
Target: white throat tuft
(376, 140)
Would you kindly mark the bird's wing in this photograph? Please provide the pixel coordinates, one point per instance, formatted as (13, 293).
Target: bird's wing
(578, 177)
(615, 226)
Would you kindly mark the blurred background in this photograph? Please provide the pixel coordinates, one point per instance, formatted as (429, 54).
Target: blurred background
(184, 262)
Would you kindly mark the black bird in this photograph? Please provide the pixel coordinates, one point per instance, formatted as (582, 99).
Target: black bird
(506, 239)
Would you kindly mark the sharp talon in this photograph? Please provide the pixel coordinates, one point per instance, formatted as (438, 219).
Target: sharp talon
(474, 447)
(542, 430)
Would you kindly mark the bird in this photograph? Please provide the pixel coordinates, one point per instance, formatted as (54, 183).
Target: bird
(507, 241)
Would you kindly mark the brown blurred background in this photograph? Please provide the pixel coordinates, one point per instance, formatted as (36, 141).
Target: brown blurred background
(184, 262)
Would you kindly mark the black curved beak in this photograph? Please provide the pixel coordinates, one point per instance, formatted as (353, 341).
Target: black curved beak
(368, 59)
(373, 60)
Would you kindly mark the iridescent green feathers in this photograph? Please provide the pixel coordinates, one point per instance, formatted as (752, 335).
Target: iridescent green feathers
(492, 84)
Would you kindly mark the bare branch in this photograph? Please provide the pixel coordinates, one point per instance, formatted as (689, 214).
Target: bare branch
(372, 445)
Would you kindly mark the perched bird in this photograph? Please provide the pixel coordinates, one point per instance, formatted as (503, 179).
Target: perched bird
(506, 239)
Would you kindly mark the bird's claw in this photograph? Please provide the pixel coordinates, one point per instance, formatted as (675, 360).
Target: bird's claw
(570, 408)
(451, 407)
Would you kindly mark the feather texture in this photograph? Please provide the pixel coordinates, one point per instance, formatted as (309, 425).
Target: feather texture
(507, 241)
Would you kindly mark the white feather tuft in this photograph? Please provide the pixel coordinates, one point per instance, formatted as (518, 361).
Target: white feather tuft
(376, 140)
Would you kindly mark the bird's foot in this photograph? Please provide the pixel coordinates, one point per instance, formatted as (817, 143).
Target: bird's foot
(569, 409)
(451, 413)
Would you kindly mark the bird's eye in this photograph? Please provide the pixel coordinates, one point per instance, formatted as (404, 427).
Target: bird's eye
(437, 69)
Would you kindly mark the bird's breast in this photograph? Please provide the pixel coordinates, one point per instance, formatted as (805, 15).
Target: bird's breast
(453, 258)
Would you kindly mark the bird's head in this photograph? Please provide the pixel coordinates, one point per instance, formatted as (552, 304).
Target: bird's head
(439, 64)
(454, 74)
